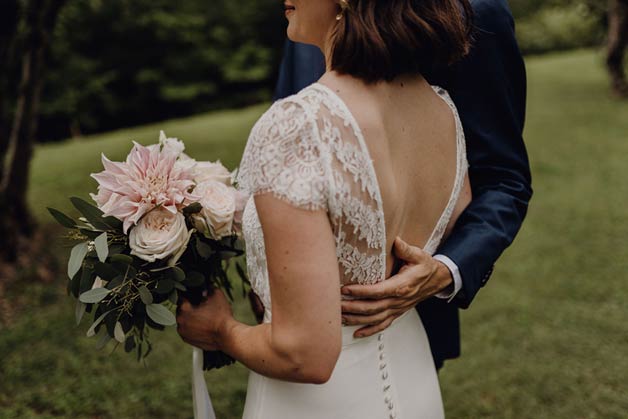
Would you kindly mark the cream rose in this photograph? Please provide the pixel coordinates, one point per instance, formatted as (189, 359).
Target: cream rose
(158, 235)
(173, 145)
(218, 200)
(206, 171)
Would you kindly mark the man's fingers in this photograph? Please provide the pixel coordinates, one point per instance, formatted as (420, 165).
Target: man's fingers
(372, 330)
(401, 285)
(354, 320)
(407, 253)
(368, 307)
(380, 290)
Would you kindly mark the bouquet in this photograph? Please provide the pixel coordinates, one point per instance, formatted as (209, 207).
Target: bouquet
(164, 226)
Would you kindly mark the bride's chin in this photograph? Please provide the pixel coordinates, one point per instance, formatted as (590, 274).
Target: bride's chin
(292, 33)
(295, 35)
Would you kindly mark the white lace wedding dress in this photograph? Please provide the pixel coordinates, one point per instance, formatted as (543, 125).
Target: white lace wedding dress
(308, 150)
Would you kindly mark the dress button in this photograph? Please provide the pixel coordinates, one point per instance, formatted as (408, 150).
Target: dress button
(393, 415)
(381, 356)
(390, 406)
(386, 387)
(381, 346)
(385, 375)
(387, 399)
(382, 366)
(380, 337)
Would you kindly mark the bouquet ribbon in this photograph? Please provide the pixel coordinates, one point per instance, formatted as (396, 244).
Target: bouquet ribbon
(203, 408)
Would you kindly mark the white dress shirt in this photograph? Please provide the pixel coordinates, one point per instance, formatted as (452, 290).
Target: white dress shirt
(449, 294)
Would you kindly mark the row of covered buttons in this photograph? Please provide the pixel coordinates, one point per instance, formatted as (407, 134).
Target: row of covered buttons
(384, 371)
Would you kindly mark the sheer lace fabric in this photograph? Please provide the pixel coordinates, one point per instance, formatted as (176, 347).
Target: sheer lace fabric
(308, 150)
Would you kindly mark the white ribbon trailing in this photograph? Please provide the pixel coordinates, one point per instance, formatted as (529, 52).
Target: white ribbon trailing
(203, 408)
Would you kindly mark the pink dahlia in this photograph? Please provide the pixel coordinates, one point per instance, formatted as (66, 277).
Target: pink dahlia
(149, 178)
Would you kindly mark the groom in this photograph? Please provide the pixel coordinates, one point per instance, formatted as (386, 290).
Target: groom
(489, 90)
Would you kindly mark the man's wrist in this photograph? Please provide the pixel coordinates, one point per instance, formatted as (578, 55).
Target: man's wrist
(454, 276)
(444, 278)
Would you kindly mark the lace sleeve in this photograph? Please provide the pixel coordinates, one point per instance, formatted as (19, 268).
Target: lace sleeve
(283, 156)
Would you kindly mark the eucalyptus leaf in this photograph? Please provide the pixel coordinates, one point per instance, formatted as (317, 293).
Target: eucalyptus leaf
(129, 344)
(92, 329)
(62, 219)
(101, 247)
(124, 259)
(114, 282)
(174, 297)
(145, 295)
(164, 286)
(178, 274)
(87, 279)
(105, 271)
(74, 285)
(160, 315)
(104, 340)
(203, 249)
(91, 213)
(118, 333)
(180, 286)
(228, 254)
(79, 311)
(94, 296)
(116, 249)
(194, 279)
(113, 222)
(149, 349)
(77, 255)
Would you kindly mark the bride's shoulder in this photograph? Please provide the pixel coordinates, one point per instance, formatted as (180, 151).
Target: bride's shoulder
(288, 117)
(284, 154)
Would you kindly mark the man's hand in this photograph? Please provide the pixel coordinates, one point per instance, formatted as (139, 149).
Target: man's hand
(378, 305)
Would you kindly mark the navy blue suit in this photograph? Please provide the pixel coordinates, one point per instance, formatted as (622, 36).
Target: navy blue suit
(489, 90)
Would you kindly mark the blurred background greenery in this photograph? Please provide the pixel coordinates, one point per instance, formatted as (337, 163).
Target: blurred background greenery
(545, 339)
(119, 63)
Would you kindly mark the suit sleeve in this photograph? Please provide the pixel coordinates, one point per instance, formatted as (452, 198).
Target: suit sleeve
(489, 89)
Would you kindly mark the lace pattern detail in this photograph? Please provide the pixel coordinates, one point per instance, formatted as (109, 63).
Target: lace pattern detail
(308, 150)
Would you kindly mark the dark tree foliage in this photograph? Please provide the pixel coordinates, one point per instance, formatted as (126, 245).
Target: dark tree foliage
(120, 63)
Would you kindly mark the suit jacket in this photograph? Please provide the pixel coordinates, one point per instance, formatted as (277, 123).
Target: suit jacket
(489, 90)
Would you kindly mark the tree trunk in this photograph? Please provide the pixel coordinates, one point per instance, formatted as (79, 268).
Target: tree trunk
(9, 18)
(617, 44)
(15, 218)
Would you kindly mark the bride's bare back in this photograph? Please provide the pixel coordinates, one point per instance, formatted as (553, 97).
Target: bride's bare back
(411, 136)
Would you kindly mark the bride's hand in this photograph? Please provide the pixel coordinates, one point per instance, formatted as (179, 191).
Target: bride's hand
(206, 325)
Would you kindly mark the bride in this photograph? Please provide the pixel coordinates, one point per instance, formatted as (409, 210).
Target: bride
(336, 173)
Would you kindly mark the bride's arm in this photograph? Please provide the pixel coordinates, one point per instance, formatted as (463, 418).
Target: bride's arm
(303, 341)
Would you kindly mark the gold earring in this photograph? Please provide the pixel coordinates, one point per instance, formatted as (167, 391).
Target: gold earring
(344, 5)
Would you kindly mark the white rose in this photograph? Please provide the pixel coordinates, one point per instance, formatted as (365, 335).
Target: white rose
(159, 234)
(218, 200)
(206, 171)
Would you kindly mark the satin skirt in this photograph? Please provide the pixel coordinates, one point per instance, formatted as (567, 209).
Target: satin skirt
(386, 376)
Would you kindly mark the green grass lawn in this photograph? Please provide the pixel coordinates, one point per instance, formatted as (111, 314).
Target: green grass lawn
(546, 338)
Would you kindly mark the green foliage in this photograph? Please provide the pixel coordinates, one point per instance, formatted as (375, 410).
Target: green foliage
(160, 315)
(559, 28)
(117, 63)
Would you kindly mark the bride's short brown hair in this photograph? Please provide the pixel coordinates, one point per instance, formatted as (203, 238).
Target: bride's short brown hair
(379, 40)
